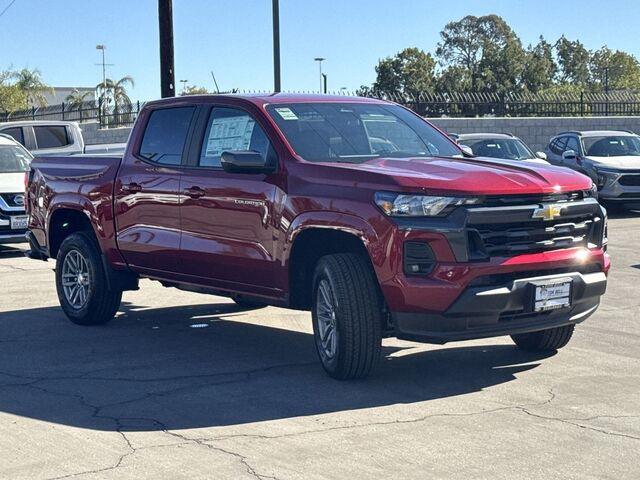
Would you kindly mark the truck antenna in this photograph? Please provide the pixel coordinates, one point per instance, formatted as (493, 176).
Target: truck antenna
(214, 81)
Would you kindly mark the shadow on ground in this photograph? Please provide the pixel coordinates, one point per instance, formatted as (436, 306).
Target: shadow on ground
(150, 369)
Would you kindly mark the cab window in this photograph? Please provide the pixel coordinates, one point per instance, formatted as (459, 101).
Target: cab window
(166, 134)
(231, 129)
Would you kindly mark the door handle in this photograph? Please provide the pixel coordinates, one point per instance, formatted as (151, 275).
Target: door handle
(195, 192)
(132, 187)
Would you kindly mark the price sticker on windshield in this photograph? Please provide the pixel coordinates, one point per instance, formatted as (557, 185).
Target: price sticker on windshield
(286, 113)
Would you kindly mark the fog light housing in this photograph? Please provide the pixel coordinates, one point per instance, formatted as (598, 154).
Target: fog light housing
(418, 258)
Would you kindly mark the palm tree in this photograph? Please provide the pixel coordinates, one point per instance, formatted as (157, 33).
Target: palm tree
(31, 83)
(76, 99)
(116, 92)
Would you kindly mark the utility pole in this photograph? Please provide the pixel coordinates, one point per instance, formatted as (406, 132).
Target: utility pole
(103, 97)
(320, 60)
(276, 46)
(165, 23)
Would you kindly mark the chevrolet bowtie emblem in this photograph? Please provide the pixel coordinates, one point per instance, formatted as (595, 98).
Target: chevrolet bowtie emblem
(548, 212)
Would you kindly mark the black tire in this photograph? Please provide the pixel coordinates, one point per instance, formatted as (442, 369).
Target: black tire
(357, 315)
(544, 340)
(101, 304)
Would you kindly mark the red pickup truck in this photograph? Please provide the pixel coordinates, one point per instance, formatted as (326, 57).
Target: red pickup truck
(356, 209)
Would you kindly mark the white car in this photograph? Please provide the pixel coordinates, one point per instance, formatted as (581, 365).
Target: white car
(54, 138)
(499, 145)
(14, 163)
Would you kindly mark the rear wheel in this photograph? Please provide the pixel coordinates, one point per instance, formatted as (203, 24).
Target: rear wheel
(544, 340)
(347, 316)
(81, 282)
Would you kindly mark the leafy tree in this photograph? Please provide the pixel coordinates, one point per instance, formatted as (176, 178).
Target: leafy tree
(11, 97)
(540, 67)
(194, 90)
(30, 82)
(76, 99)
(487, 49)
(408, 73)
(455, 78)
(115, 92)
(573, 62)
(623, 70)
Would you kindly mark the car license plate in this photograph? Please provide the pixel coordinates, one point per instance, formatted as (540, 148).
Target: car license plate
(19, 222)
(552, 295)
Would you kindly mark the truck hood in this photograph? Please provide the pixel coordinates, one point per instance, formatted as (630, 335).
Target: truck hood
(627, 162)
(474, 176)
(12, 182)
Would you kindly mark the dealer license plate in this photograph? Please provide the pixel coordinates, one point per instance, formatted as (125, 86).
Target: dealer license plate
(552, 295)
(19, 222)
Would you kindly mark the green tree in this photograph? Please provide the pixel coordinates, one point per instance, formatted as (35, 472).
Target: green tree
(117, 97)
(408, 73)
(487, 49)
(573, 62)
(31, 83)
(11, 97)
(194, 90)
(76, 99)
(540, 67)
(622, 69)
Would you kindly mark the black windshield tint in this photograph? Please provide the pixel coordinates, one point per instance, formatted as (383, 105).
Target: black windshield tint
(612, 146)
(506, 148)
(352, 132)
(14, 159)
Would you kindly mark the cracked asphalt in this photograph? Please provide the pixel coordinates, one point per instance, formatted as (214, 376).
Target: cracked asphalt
(189, 386)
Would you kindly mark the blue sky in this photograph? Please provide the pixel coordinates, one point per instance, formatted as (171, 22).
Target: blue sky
(233, 37)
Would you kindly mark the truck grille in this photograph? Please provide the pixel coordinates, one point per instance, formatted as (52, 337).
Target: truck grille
(504, 231)
(509, 239)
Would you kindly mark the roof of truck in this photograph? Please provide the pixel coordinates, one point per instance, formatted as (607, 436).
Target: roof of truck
(267, 98)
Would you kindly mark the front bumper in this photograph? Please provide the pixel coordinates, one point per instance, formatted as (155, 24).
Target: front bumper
(620, 186)
(497, 310)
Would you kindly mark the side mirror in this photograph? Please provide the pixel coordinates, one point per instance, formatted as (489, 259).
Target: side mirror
(569, 155)
(541, 155)
(466, 150)
(244, 162)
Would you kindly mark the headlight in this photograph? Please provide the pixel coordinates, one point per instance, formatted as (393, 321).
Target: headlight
(398, 205)
(605, 175)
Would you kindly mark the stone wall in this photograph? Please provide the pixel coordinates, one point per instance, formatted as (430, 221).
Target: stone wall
(534, 131)
(93, 135)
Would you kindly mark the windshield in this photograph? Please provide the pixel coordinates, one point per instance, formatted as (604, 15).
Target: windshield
(352, 132)
(13, 159)
(612, 146)
(506, 148)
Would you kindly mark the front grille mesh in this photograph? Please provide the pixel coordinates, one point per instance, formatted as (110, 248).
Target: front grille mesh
(630, 180)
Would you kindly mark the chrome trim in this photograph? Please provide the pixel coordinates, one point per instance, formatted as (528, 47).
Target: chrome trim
(5, 206)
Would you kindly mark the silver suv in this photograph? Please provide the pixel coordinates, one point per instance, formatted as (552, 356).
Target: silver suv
(610, 157)
(499, 145)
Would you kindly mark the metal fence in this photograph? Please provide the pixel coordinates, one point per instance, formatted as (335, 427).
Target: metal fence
(108, 116)
(619, 103)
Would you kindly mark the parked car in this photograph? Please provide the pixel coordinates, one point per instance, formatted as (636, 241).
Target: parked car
(50, 137)
(14, 163)
(356, 209)
(500, 145)
(610, 158)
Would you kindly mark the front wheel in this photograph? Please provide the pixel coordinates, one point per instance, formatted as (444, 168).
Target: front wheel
(544, 340)
(347, 316)
(81, 282)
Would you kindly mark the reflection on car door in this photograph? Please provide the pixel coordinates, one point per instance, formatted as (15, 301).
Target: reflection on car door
(148, 192)
(228, 237)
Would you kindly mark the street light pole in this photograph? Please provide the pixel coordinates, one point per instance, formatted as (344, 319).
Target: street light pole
(165, 23)
(102, 48)
(276, 46)
(320, 60)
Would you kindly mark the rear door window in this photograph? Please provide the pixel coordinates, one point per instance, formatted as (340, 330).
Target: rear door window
(166, 134)
(572, 144)
(51, 136)
(557, 146)
(16, 133)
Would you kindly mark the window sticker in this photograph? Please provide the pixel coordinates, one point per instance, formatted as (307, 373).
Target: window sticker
(229, 133)
(286, 113)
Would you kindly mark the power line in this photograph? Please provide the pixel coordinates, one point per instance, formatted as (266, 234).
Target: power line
(7, 7)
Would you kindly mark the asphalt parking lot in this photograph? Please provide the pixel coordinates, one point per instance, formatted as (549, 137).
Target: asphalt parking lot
(183, 385)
